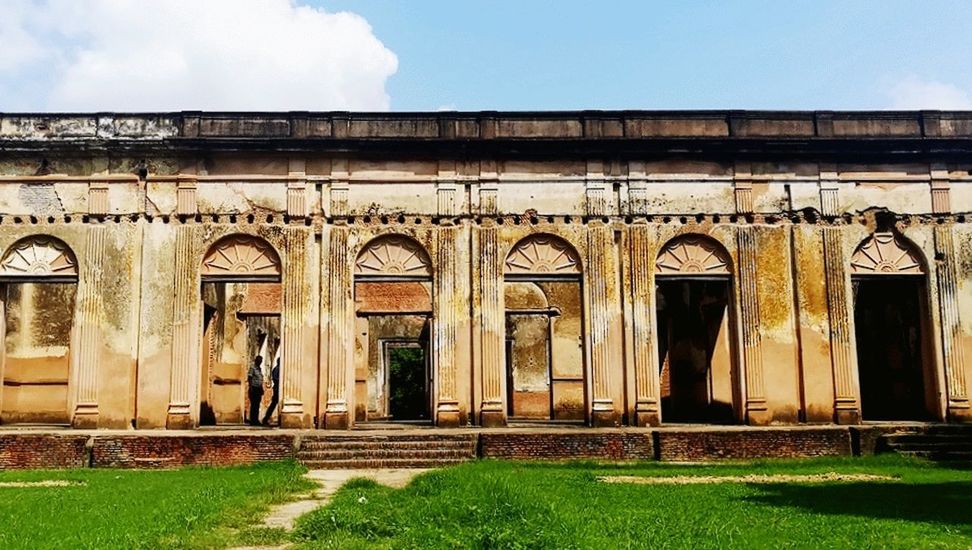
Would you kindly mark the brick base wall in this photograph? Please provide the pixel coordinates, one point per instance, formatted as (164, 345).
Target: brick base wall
(154, 451)
(564, 446)
(22, 451)
(693, 445)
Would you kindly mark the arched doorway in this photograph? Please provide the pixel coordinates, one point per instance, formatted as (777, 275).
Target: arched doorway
(693, 307)
(891, 319)
(241, 300)
(39, 276)
(544, 331)
(393, 317)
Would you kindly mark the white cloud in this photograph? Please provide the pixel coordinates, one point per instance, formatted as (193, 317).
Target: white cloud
(914, 93)
(140, 55)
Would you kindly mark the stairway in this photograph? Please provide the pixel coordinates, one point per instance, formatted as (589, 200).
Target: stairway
(933, 442)
(386, 450)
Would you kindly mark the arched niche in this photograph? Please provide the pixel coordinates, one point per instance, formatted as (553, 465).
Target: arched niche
(241, 257)
(886, 254)
(892, 330)
(693, 255)
(241, 297)
(545, 341)
(393, 256)
(694, 330)
(39, 277)
(543, 255)
(39, 256)
(393, 321)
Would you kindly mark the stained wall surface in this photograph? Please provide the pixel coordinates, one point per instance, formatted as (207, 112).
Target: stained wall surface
(480, 217)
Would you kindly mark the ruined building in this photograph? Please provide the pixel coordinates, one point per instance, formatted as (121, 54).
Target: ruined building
(600, 268)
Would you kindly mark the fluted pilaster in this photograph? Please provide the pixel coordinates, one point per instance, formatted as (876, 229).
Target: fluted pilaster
(647, 409)
(953, 354)
(340, 334)
(843, 360)
(295, 306)
(89, 330)
(599, 241)
(183, 328)
(447, 413)
(756, 410)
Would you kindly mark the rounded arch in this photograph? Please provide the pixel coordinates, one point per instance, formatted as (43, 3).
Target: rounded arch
(393, 256)
(241, 257)
(543, 254)
(39, 256)
(887, 253)
(693, 254)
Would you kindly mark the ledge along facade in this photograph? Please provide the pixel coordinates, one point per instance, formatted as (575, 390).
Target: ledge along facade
(486, 268)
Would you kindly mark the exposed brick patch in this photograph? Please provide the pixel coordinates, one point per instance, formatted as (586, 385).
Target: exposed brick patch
(20, 451)
(692, 445)
(563, 446)
(161, 451)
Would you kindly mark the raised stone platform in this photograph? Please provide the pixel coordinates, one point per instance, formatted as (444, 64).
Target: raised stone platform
(62, 448)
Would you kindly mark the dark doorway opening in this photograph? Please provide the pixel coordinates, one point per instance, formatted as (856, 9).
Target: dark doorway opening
(408, 381)
(889, 323)
(695, 350)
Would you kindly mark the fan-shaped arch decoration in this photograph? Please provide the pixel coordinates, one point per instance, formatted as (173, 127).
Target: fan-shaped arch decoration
(39, 256)
(241, 256)
(885, 253)
(692, 254)
(543, 255)
(393, 256)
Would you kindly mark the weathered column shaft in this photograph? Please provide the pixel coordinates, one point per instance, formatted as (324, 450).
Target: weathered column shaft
(599, 240)
(294, 312)
(340, 335)
(89, 330)
(647, 409)
(756, 409)
(180, 388)
(843, 359)
(493, 330)
(447, 412)
(953, 354)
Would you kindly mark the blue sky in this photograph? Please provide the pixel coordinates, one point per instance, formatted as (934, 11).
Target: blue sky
(567, 54)
(140, 55)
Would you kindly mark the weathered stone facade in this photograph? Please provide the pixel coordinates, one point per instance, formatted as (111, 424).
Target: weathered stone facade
(606, 268)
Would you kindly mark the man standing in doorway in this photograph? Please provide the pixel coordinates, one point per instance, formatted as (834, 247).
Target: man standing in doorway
(275, 380)
(254, 381)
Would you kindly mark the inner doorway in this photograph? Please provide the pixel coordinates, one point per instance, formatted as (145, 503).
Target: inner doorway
(408, 381)
(891, 318)
(393, 321)
(694, 351)
(240, 374)
(693, 311)
(888, 317)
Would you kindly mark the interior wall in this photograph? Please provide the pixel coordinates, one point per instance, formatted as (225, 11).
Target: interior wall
(38, 320)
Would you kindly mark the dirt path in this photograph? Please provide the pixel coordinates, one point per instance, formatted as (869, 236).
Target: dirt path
(775, 478)
(283, 516)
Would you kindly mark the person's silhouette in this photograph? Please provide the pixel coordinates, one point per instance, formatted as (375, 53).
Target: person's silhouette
(254, 380)
(275, 380)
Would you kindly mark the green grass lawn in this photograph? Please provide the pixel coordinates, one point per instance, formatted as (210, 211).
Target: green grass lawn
(515, 505)
(187, 508)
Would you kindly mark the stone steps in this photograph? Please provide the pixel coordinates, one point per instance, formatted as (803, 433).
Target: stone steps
(952, 443)
(367, 463)
(386, 450)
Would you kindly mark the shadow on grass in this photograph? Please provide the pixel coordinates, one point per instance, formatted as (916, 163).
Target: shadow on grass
(947, 503)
